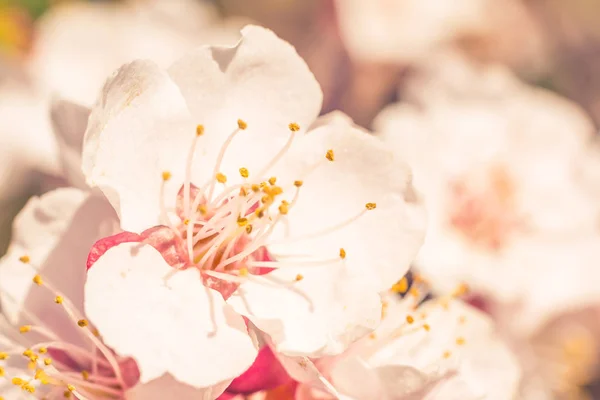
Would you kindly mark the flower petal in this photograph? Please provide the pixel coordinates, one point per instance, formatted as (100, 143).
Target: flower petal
(322, 313)
(168, 387)
(139, 128)
(165, 319)
(381, 242)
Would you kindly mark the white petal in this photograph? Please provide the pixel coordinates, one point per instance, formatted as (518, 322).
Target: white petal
(321, 314)
(382, 242)
(167, 387)
(168, 322)
(139, 128)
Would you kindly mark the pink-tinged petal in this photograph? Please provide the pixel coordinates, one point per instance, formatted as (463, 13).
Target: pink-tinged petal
(167, 320)
(266, 373)
(55, 231)
(322, 313)
(139, 128)
(107, 243)
(167, 387)
(261, 80)
(379, 243)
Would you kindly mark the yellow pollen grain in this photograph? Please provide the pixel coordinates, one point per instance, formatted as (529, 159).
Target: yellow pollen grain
(447, 354)
(401, 286)
(410, 319)
(276, 190)
(255, 187)
(266, 199)
(24, 259)
(330, 155)
(58, 300)
(260, 212)
(17, 381)
(28, 353)
(47, 361)
(25, 328)
(243, 192)
(28, 388)
(241, 221)
(272, 180)
(283, 209)
(67, 394)
(202, 209)
(42, 350)
(427, 327)
(2, 372)
(38, 280)
(244, 172)
(294, 127)
(249, 229)
(460, 341)
(370, 206)
(242, 124)
(186, 221)
(85, 375)
(243, 271)
(220, 177)
(298, 183)
(200, 130)
(82, 323)
(70, 388)
(4, 356)
(342, 253)
(166, 175)
(299, 277)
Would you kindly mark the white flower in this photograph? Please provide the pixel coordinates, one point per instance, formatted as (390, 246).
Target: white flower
(498, 165)
(47, 346)
(247, 214)
(442, 349)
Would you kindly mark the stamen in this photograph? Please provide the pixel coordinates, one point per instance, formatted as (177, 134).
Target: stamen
(293, 129)
(330, 155)
(241, 126)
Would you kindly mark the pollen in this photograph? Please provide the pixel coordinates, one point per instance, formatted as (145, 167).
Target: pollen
(202, 209)
(272, 180)
(200, 130)
(166, 175)
(221, 178)
(24, 259)
(294, 127)
(260, 212)
(460, 341)
(298, 183)
(255, 187)
(186, 221)
(410, 319)
(401, 286)
(17, 381)
(243, 272)
(59, 299)
(38, 280)
(28, 388)
(2, 372)
(242, 124)
(67, 394)
(82, 323)
(244, 172)
(299, 277)
(242, 221)
(70, 388)
(249, 229)
(370, 206)
(4, 356)
(42, 350)
(427, 327)
(330, 155)
(284, 208)
(85, 375)
(25, 328)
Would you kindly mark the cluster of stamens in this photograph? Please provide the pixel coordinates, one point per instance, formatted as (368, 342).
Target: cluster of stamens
(45, 366)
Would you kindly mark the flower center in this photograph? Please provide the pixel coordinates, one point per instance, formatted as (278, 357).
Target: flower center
(39, 361)
(483, 208)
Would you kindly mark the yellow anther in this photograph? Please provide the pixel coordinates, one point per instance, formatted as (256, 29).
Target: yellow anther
(67, 394)
(401, 286)
(426, 327)
(38, 374)
(47, 361)
(28, 388)
(370, 206)
(249, 229)
(276, 190)
(2, 372)
(460, 341)
(266, 199)
(85, 375)
(28, 353)
(262, 184)
(17, 381)
(32, 365)
(4, 356)
(25, 328)
(330, 155)
(284, 208)
(202, 209)
(95, 332)
(410, 319)
(186, 221)
(272, 180)
(342, 253)
(242, 124)
(243, 271)
(461, 290)
(58, 300)
(166, 175)
(24, 259)
(42, 350)
(255, 187)
(242, 221)
(243, 191)
(82, 323)
(200, 130)
(299, 277)
(70, 388)
(447, 354)
(38, 280)
(260, 212)
(221, 178)
(244, 172)
(298, 183)
(294, 127)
